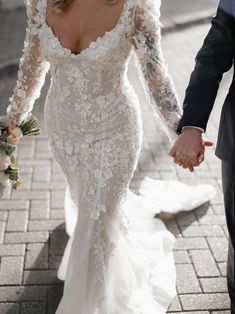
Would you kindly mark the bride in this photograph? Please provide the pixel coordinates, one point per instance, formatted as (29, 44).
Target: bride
(118, 259)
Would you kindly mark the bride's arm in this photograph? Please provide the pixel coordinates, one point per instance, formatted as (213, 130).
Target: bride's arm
(157, 82)
(32, 70)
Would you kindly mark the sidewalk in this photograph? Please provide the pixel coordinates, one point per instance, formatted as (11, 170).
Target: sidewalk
(32, 236)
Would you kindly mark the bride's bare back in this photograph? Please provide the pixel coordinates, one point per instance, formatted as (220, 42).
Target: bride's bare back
(83, 21)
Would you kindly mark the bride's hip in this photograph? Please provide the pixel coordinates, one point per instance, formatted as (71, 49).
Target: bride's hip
(81, 118)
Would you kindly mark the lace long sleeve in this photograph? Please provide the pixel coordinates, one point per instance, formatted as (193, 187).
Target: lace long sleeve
(32, 70)
(149, 59)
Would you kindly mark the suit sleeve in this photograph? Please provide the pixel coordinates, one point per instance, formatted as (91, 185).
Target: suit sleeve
(212, 61)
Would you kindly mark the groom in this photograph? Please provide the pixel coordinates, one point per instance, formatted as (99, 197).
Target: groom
(214, 58)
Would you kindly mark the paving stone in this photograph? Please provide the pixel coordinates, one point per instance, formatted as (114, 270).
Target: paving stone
(190, 243)
(14, 205)
(181, 257)
(42, 174)
(33, 162)
(219, 247)
(2, 230)
(26, 180)
(214, 284)
(33, 308)
(221, 312)
(204, 263)
(26, 237)
(25, 151)
(212, 220)
(22, 293)
(58, 176)
(223, 269)
(54, 261)
(52, 307)
(203, 211)
(40, 209)
(60, 185)
(54, 296)
(36, 256)
(57, 214)
(12, 249)
(226, 231)
(196, 312)
(25, 169)
(30, 195)
(17, 221)
(213, 301)
(186, 279)
(9, 308)
(44, 155)
(45, 224)
(56, 167)
(57, 199)
(202, 231)
(40, 277)
(43, 145)
(11, 270)
(218, 209)
(3, 215)
(175, 305)
(173, 227)
(58, 241)
(186, 219)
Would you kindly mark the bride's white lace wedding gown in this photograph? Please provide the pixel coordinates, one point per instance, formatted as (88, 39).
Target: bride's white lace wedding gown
(118, 259)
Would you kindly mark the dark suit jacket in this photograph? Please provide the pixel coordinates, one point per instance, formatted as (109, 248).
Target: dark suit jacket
(214, 58)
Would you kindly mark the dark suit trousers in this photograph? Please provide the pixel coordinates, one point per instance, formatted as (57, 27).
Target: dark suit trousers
(228, 179)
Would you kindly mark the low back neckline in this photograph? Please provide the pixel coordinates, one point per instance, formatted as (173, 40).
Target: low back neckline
(93, 42)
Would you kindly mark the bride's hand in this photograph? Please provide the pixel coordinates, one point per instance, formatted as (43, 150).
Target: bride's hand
(12, 127)
(189, 149)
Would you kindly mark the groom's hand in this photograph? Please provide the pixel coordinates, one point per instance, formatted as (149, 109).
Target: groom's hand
(189, 149)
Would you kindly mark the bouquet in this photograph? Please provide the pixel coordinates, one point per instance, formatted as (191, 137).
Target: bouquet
(9, 138)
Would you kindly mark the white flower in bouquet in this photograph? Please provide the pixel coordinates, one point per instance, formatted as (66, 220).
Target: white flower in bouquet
(9, 138)
(5, 161)
(17, 133)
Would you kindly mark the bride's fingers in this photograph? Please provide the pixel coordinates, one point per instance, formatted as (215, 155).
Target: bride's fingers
(186, 164)
(12, 126)
(208, 143)
(201, 158)
(172, 153)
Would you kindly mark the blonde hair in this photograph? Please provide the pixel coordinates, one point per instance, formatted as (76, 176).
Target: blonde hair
(60, 5)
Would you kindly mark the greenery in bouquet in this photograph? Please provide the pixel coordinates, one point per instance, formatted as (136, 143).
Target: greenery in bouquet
(9, 138)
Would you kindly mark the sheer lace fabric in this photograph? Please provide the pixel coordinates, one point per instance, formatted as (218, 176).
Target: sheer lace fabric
(32, 70)
(118, 259)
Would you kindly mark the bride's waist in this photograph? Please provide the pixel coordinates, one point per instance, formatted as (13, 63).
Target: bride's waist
(79, 97)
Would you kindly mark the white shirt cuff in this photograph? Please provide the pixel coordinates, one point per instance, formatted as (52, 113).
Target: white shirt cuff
(194, 127)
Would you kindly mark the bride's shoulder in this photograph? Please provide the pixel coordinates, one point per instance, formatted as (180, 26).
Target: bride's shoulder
(31, 4)
(32, 8)
(151, 6)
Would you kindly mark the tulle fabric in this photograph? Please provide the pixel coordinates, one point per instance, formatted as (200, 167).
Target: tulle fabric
(141, 275)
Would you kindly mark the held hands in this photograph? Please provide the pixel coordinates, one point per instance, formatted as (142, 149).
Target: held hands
(189, 149)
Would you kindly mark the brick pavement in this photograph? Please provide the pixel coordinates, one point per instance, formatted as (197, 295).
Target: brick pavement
(32, 236)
